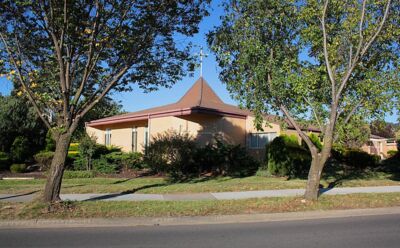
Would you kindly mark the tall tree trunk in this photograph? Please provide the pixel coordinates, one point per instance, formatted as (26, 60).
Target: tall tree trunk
(317, 165)
(314, 177)
(53, 184)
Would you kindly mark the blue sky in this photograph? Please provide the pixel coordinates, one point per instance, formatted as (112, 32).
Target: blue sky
(137, 100)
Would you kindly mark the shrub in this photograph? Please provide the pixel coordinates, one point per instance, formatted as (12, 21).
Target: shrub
(50, 142)
(360, 160)
(78, 174)
(18, 168)
(102, 165)
(171, 153)
(226, 159)
(4, 161)
(285, 158)
(130, 160)
(20, 149)
(391, 153)
(315, 140)
(87, 148)
(177, 155)
(44, 159)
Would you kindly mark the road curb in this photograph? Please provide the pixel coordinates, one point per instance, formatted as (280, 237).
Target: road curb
(197, 220)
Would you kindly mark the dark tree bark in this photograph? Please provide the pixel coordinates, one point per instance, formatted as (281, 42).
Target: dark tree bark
(53, 184)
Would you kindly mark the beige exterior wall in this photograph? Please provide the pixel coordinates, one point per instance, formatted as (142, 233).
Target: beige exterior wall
(202, 127)
(379, 147)
(121, 134)
(259, 153)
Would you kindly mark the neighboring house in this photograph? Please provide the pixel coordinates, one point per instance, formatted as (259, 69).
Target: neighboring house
(379, 146)
(200, 112)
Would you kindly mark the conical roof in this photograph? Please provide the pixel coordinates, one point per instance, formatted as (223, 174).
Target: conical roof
(199, 98)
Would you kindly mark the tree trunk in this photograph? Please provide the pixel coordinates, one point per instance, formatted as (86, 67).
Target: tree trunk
(53, 184)
(314, 176)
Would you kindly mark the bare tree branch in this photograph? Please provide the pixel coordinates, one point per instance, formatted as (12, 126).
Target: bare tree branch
(326, 53)
(25, 86)
(364, 49)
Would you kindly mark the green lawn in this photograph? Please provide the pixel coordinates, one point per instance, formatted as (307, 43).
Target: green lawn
(68, 210)
(159, 185)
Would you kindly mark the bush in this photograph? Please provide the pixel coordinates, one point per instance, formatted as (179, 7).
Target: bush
(171, 153)
(286, 158)
(102, 165)
(360, 160)
(18, 168)
(130, 160)
(391, 153)
(315, 140)
(78, 174)
(20, 149)
(177, 156)
(225, 159)
(86, 148)
(4, 161)
(50, 142)
(44, 159)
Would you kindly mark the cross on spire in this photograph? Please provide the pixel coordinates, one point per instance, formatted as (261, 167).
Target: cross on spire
(201, 55)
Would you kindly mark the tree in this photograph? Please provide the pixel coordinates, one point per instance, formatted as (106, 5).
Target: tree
(66, 56)
(18, 118)
(354, 134)
(322, 62)
(383, 129)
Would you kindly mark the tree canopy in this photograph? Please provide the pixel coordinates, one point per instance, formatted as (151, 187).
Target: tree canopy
(66, 56)
(319, 61)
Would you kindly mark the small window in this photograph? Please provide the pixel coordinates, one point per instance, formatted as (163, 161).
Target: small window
(134, 139)
(108, 137)
(260, 140)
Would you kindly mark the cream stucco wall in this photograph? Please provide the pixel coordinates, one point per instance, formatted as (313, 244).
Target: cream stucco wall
(202, 127)
(121, 134)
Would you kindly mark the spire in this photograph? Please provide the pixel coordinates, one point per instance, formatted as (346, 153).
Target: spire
(200, 94)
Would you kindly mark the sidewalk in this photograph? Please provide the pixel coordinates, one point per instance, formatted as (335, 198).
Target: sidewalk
(201, 196)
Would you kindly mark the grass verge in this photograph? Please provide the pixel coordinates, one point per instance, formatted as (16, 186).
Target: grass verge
(70, 210)
(200, 185)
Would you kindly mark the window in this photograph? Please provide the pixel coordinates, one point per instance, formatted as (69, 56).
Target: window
(108, 137)
(134, 139)
(146, 136)
(259, 140)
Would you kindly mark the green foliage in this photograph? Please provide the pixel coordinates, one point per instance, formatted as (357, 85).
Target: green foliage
(354, 134)
(17, 118)
(171, 153)
(284, 157)
(87, 148)
(18, 168)
(225, 159)
(50, 142)
(102, 165)
(44, 159)
(4, 161)
(178, 156)
(68, 174)
(130, 160)
(20, 149)
(360, 160)
(392, 153)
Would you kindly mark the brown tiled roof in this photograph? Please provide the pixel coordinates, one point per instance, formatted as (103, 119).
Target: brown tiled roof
(200, 98)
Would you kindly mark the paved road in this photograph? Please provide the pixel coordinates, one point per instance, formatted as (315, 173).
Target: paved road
(351, 232)
(200, 196)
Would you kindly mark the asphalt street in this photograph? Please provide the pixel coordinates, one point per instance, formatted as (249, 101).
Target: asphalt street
(353, 232)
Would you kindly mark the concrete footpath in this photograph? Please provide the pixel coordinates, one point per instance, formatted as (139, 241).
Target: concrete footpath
(196, 220)
(200, 196)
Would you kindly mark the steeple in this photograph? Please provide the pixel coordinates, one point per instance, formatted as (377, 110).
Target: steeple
(200, 95)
